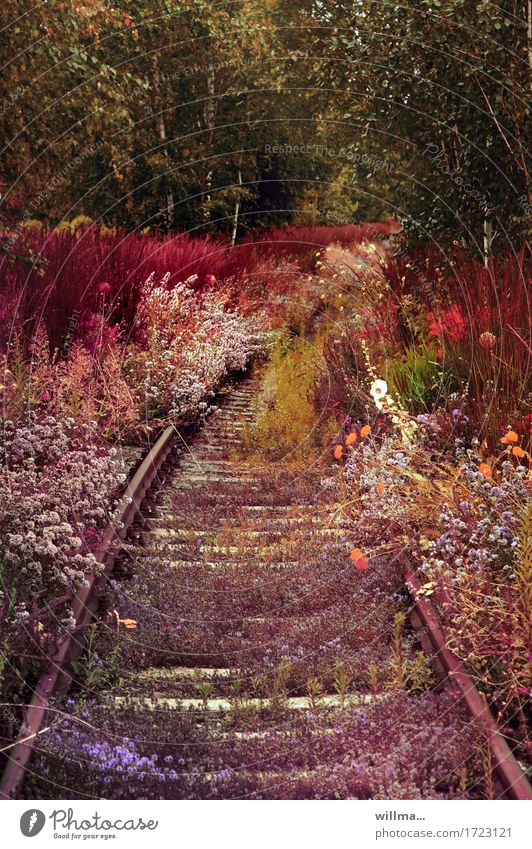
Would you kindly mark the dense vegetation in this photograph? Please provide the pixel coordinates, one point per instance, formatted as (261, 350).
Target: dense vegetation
(336, 195)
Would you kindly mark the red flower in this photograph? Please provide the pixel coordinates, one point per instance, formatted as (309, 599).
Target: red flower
(452, 324)
(104, 288)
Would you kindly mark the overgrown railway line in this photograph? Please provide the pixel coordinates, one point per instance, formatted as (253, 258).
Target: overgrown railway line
(225, 528)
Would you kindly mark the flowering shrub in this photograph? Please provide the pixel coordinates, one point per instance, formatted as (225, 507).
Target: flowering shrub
(55, 486)
(469, 528)
(186, 345)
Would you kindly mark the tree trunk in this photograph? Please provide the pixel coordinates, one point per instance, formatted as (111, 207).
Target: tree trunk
(161, 129)
(237, 210)
(210, 116)
(487, 231)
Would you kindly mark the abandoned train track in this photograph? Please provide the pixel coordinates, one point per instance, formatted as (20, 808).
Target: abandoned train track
(224, 527)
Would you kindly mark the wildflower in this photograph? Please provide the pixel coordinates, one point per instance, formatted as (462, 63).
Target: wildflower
(358, 559)
(485, 470)
(364, 431)
(104, 288)
(517, 451)
(378, 391)
(351, 438)
(487, 341)
(45, 396)
(127, 623)
(210, 279)
(380, 487)
(510, 437)
(338, 451)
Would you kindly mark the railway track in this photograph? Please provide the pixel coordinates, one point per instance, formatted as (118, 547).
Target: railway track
(237, 620)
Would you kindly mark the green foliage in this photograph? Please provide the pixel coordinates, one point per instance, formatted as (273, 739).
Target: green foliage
(453, 125)
(417, 378)
(342, 681)
(279, 692)
(420, 674)
(96, 669)
(406, 672)
(165, 119)
(287, 416)
(314, 692)
(204, 690)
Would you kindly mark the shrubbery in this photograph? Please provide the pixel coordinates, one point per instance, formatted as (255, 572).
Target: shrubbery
(55, 495)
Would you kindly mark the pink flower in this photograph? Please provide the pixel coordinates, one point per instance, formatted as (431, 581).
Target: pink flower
(210, 279)
(45, 396)
(104, 288)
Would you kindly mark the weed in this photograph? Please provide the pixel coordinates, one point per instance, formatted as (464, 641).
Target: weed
(93, 672)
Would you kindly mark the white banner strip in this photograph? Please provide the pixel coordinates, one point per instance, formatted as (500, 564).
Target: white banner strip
(261, 825)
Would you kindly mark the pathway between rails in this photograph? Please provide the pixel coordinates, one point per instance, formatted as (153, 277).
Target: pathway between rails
(246, 657)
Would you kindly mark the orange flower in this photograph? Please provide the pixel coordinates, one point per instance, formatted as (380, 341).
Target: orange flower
(338, 451)
(352, 438)
(518, 452)
(485, 470)
(127, 623)
(511, 436)
(359, 560)
(380, 487)
(364, 431)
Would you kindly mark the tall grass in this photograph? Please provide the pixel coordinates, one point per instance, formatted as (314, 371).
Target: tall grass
(72, 273)
(79, 270)
(480, 315)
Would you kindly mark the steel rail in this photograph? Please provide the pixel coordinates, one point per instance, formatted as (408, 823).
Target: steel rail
(56, 677)
(506, 767)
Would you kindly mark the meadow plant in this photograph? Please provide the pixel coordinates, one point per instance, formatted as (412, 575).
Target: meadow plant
(480, 573)
(55, 489)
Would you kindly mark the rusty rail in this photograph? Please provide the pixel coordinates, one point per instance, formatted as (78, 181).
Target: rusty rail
(507, 769)
(56, 677)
